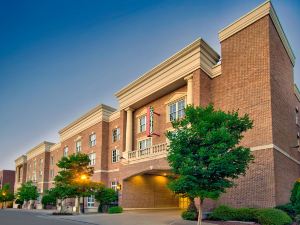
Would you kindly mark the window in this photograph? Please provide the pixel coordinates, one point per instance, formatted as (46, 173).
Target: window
(41, 162)
(176, 110)
(92, 140)
(34, 176)
(297, 115)
(142, 123)
(115, 156)
(116, 135)
(41, 174)
(78, 146)
(34, 164)
(143, 144)
(91, 201)
(52, 160)
(92, 157)
(51, 173)
(114, 185)
(66, 149)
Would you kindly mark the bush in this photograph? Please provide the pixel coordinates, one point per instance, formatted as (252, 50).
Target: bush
(272, 217)
(288, 208)
(262, 216)
(62, 214)
(115, 209)
(189, 215)
(106, 197)
(297, 219)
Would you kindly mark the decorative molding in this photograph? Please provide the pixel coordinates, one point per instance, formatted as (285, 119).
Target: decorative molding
(94, 116)
(196, 55)
(106, 171)
(21, 160)
(175, 97)
(115, 115)
(259, 12)
(55, 147)
(39, 149)
(269, 146)
(297, 93)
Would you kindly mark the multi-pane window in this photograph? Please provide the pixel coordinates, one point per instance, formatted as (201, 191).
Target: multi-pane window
(34, 164)
(116, 134)
(90, 201)
(51, 173)
(41, 163)
(78, 146)
(92, 140)
(114, 185)
(34, 176)
(41, 174)
(115, 155)
(143, 144)
(92, 157)
(52, 160)
(142, 123)
(66, 149)
(176, 110)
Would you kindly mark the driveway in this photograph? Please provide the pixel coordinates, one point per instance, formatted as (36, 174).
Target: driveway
(136, 217)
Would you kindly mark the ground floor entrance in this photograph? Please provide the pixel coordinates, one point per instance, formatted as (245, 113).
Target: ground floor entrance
(148, 190)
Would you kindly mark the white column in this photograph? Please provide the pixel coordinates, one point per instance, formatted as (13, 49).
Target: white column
(189, 80)
(129, 131)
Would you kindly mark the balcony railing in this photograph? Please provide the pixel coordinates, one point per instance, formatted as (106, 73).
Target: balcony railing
(154, 150)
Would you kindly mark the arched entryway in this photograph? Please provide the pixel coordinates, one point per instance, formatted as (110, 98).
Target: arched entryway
(148, 190)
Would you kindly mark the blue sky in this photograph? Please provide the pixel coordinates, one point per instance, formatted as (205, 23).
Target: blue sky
(60, 58)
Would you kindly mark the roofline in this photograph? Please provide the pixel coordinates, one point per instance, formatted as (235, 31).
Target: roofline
(165, 63)
(101, 106)
(39, 145)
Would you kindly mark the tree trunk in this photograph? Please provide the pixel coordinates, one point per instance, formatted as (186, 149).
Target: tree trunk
(200, 212)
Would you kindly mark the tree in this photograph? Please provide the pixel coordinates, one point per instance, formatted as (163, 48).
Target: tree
(27, 191)
(205, 154)
(295, 196)
(105, 196)
(74, 177)
(5, 194)
(48, 198)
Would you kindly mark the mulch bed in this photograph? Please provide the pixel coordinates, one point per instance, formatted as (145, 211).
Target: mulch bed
(230, 223)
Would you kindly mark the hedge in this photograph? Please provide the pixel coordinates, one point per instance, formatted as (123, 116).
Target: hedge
(262, 216)
(115, 209)
(187, 215)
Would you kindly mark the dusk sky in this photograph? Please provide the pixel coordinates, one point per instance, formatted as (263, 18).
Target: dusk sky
(59, 59)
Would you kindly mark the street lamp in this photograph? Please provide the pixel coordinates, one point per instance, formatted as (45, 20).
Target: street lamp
(3, 194)
(83, 179)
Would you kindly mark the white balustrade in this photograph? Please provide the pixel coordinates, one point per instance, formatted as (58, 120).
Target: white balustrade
(152, 151)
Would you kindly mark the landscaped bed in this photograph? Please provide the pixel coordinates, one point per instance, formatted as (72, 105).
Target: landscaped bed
(230, 222)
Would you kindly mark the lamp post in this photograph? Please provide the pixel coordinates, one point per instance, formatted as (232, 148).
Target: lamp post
(3, 194)
(83, 179)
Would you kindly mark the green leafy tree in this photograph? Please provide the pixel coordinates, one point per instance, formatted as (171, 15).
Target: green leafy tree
(295, 196)
(205, 154)
(27, 191)
(48, 198)
(105, 196)
(6, 195)
(74, 177)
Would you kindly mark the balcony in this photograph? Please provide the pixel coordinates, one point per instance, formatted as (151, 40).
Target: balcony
(155, 151)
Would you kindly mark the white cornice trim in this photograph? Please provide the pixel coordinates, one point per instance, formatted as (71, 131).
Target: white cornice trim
(55, 147)
(100, 113)
(115, 115)
(196, 55)
(269, 146)
(106, 171)
(21, 160)
(41, 148)
(259, 12)
(297, 93)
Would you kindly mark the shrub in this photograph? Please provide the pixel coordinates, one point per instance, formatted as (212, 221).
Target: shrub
(288, 208)
(189, 215)
(272, 217)
(297, 219)
(62, 213)
(115, 209)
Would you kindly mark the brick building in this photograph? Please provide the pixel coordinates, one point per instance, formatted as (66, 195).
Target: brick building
(254, 74)
(7, 177)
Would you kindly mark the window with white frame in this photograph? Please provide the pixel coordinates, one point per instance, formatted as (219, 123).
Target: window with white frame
(115, 155)
(91, 201)
(92, 157)
(51, 173)
(116, 135)
(297, 115)
(114, 185)
(52, 160)
(66, 149)
(34, 176)
(176, 110)
(92, 140)
(41, 174)
(143, 144)
(34, 164)
(78, 146)
(41, 162)
(142, 123)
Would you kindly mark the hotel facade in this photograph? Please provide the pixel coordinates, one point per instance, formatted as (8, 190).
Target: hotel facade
(128, 147)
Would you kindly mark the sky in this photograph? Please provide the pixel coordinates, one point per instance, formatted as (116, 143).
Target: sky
(60, 58)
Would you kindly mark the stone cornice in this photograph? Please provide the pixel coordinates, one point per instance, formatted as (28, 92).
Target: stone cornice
(115, 115)
(259, 12)
(41, 148)
(196, 55)
(21, 160)
(94, 116)
(55, 147)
